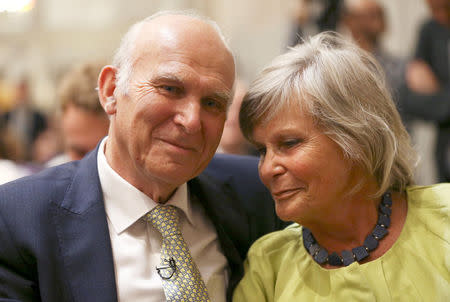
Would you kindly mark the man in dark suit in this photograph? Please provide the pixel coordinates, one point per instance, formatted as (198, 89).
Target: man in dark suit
(24, 121)
(78, 232)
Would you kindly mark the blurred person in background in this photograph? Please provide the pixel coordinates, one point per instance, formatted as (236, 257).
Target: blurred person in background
(339, 163)
(428, 80)
(10, 155)
(83, 121)
(48, 145)
(366, 22)
(151, 213)
(313, 16)
(232, 141)
(23, 120)
(6, 94)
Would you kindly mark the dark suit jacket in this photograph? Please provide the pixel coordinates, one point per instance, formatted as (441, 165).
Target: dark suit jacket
(54, 239)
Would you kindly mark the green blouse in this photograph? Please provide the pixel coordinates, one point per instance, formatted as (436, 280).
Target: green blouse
(415, 268)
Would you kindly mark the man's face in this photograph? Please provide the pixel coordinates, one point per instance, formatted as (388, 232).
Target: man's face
(440, 9)
(82, 130)
(368, 19)
(168, 126)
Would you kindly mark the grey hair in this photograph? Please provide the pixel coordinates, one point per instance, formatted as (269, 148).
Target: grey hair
(343, 89)
(123, 57)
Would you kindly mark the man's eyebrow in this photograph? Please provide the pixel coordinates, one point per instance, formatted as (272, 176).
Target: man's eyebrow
(166, 78)
(222, 96)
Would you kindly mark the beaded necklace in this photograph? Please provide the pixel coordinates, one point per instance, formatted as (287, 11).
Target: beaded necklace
(321, 256)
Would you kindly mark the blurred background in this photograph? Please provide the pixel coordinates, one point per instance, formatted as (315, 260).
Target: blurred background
(41, 40)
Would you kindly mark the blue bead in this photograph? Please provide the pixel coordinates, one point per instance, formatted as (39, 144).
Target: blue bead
(314, 248)
(321, 256)
(385, 210)
(335, 259)
(308, 238)
(347, 258)
(384, 220)
(387, 200)
(379, 232)
(370, 242)
(360, 253)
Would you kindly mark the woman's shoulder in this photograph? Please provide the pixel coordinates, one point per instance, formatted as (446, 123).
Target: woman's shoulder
(277, 242)
(430, 205)
(432, 197)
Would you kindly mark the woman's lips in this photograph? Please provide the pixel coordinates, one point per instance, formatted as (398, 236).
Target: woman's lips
(285, 194)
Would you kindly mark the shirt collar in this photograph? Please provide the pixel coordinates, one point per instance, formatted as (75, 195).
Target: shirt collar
(125, 204)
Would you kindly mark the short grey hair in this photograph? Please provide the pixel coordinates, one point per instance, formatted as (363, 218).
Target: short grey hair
(123, 57)
(343, 89)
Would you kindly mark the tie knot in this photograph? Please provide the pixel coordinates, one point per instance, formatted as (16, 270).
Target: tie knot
(164, 219)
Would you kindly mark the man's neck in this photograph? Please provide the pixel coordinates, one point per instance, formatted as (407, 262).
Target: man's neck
(156, 189)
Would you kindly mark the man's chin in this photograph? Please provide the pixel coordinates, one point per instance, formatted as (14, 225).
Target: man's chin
(172, 171)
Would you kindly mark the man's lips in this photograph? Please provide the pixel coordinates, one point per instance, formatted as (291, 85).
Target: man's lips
(177, 144)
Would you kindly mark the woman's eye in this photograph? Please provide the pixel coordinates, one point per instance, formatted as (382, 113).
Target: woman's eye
(261, 151)
(290, 143)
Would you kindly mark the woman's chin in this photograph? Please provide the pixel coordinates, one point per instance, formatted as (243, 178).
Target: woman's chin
(284, 213)
(290, 209)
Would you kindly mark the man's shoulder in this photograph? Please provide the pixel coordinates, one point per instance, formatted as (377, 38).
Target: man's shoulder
(240, 172)
(222, 158)
(44, 186)
(237, 165)
(431, 28)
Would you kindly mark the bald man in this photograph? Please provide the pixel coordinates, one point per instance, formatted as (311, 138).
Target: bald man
(137, 219)
(366, 22)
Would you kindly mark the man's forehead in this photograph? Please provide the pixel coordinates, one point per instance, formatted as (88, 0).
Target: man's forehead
(171, 55)
(179, 31)
(176, 29)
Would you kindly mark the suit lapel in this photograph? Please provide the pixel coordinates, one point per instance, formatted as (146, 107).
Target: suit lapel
(83, 237)
(231, 223)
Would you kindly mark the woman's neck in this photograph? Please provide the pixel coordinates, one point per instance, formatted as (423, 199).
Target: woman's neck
(346, 225)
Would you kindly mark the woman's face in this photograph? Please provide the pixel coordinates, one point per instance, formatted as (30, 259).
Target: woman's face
(303, 168)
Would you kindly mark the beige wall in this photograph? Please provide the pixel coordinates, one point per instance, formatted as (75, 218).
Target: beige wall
(59, 33)
(404, 18)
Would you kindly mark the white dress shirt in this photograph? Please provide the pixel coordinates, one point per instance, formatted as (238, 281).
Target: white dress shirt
(136, 244)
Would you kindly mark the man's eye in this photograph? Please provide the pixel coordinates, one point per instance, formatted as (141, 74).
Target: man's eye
(214, 104)
(171, 89)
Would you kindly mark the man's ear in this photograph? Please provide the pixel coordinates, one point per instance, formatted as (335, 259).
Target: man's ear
(106, 87)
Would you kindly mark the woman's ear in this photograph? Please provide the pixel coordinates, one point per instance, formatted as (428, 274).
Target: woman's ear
(106, 87)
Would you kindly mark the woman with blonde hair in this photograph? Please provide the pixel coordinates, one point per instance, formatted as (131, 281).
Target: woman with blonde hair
(338, 162)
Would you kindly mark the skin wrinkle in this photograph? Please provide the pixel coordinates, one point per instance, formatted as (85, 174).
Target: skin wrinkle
(170, 78)
(331, 181)
(160, 137)
(296, 167)
(321, 202)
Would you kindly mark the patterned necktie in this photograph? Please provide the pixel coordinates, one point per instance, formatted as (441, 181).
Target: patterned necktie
(180, 276)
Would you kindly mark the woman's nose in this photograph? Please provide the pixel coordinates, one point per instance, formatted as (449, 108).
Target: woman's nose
(270, 166)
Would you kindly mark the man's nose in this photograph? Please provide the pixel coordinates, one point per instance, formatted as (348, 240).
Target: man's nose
(188, 115)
